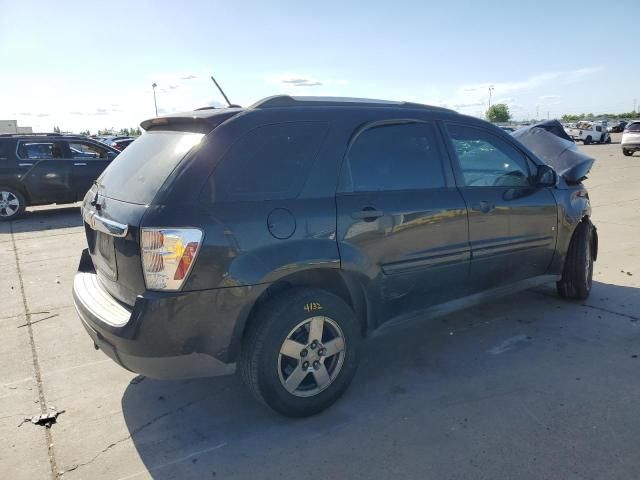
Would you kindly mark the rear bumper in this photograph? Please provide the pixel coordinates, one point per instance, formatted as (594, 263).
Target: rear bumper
(164, 335)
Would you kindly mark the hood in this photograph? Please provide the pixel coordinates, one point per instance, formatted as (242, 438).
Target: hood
(550, 143)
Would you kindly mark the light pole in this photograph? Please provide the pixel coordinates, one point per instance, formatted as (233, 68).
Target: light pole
(491, 89)
(154, 85)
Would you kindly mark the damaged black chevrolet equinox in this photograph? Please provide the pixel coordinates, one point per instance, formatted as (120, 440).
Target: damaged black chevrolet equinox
(277, 236)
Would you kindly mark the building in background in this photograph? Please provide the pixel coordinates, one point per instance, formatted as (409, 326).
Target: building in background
(11, 126)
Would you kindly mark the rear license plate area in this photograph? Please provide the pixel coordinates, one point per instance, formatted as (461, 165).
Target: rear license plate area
(104, 255)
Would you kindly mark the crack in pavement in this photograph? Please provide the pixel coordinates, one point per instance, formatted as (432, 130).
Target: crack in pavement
(34, 355)
(142, 427)
(606, 310)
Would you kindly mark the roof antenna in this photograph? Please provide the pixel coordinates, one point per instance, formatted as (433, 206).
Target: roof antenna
(222, 92)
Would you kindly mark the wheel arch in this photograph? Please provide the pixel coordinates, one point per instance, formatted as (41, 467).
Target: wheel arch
(343, 284)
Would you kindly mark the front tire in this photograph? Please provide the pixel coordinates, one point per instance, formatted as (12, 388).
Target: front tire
(627, 153)
(301, 352)
(587, 141)
(12, 204)
(577, 275)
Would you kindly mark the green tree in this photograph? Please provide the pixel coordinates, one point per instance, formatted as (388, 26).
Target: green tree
(498, 113)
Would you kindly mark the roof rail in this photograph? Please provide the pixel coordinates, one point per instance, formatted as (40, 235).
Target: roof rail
(41, 134)
(283, 101)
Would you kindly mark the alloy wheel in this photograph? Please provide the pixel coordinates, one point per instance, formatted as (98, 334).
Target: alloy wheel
(311, 356)
(9, 204)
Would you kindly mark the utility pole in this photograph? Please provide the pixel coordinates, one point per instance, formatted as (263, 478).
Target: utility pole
(154, 85)
(635, 102)
(537, 112)
(491, 89)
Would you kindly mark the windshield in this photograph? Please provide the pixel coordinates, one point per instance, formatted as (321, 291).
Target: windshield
(136, 175)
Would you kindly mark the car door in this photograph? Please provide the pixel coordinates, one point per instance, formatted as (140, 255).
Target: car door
(512, 222)
(401, 221)
(87, 161)
(44, 170)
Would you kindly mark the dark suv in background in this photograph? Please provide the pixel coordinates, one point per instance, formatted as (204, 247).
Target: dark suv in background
(276, 237)
(37, 169)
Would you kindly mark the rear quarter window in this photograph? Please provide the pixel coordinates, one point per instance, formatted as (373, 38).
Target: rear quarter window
(269, 162)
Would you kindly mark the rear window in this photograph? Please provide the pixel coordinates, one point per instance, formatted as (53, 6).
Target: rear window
(269, 162)
(633, 127)
(138, 172)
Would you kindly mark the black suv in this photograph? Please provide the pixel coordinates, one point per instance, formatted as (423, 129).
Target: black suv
(37, 169)
(276, 237)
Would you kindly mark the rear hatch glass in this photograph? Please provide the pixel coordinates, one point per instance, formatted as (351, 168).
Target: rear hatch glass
(136, 174)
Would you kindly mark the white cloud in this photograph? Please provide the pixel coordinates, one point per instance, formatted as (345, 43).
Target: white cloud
(549, 97)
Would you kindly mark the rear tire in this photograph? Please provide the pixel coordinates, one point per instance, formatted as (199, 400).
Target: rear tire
(608, 140)
(12, 204)
(577, 275)
(282, 360)
(627, 153)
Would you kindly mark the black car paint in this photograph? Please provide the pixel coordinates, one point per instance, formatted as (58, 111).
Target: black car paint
(63, 179)
(241, 263)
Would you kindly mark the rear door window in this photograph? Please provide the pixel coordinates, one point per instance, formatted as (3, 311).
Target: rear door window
(404, 156)
(269, 162)
(137, 173)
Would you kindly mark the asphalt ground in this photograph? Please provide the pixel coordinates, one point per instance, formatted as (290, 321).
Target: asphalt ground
(527, 387)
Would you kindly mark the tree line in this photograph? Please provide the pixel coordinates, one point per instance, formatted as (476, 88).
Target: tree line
(591, 116)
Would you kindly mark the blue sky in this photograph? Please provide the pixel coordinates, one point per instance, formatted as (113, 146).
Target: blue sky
(79, 66)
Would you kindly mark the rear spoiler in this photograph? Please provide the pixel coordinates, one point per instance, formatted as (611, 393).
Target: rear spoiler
(199, 121)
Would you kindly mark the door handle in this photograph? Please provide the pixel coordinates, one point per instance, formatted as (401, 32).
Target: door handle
(80, 164)
(483, 206)
(368, 214)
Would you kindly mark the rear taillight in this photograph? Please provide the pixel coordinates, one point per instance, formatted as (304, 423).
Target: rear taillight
(168, 255)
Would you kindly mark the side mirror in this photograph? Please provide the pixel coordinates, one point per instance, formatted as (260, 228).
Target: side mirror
(546, 176)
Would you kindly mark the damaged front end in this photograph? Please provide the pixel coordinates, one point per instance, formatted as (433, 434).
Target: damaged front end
(551, 144)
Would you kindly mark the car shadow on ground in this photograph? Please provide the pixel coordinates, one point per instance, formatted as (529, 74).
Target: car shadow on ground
(193, 429)
(48, 219)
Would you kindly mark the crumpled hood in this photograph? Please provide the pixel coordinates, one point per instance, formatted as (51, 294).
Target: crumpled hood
(549, 142)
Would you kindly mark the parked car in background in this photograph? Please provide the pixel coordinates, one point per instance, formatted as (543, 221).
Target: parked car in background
(276, 237)
(589, 132)
(617, 127)
(507, 129)
(631, 138)
(122, 143)
(37, 169)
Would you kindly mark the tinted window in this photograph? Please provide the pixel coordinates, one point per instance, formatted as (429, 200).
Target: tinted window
(395, 157)
(87, 150)
(38, 150)
(486, 160)
(633, 127)
(5, 146)
(139, 171)
(272, 161)
(598, 128)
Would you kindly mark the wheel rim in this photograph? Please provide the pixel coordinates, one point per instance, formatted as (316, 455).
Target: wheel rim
(311, 356)
(9, 204)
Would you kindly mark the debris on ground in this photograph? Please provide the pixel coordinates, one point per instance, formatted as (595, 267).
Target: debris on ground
(37, 321)
(46, 419)
(137, 380)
